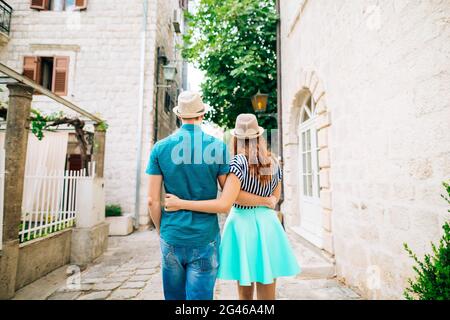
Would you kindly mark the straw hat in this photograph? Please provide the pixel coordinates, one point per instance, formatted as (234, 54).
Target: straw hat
(247, 127)
(190, 105)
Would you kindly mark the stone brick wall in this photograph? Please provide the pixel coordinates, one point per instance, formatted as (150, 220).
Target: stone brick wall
(104, 45)
(161, 16)
(380, 73)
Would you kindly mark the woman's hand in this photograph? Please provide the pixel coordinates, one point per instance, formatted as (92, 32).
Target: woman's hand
(272, 202)
(172, 203)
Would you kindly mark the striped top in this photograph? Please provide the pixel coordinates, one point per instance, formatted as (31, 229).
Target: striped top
(250, 183)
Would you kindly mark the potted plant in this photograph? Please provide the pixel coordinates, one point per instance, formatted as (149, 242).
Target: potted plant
(119, 224)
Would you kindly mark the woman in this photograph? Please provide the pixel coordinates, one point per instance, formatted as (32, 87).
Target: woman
(254, 246)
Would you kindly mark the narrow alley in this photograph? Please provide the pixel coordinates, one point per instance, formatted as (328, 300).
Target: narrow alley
(130, 269)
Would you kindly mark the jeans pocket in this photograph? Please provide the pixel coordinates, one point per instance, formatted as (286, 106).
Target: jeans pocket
(168, 254)
(170, 260)
(206, 258)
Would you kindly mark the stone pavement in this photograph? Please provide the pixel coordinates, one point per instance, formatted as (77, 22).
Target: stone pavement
(130, 269)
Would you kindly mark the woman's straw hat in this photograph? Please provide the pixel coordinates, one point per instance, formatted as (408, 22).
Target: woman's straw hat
(247, 127)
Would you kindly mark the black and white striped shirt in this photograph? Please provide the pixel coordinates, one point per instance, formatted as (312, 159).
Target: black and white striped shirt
(250, 183)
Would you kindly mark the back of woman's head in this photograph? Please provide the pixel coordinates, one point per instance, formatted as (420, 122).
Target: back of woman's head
(260, 160)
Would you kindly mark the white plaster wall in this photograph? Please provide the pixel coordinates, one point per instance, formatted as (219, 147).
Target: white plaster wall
(104, 46)
(384, 66)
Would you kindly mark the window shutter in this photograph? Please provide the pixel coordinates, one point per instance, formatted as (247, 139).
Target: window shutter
(80, 4)
(31, 68)
(40, 4)
(60, 75)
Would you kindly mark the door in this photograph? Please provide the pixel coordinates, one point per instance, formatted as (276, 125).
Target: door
(310, 210)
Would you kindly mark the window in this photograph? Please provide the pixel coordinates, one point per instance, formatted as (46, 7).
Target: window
(49, 72)
(167, 102)
(184, 4)
(306, 163)
(309, 150)
(58, 5)
(309, 204)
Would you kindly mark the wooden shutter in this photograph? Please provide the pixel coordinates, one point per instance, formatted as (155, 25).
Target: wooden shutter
(31, 68)
(80, 4)
(60, 75)
(40, 4)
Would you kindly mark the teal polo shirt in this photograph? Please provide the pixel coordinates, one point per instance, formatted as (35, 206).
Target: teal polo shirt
(190, 162)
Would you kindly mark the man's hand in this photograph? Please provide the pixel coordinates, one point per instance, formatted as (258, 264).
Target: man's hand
(172, 203)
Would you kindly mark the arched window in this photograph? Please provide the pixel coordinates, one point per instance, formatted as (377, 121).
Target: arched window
(308, 110)
(310, 209)
(309, 149)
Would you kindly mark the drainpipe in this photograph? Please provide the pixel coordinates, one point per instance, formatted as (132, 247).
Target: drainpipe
(140, 114)
(279, 99)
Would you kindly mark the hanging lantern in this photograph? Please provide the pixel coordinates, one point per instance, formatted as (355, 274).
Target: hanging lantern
(170, 72)
(259, 101)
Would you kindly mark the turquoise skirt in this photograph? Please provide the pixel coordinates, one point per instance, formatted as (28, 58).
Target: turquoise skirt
(255, 248)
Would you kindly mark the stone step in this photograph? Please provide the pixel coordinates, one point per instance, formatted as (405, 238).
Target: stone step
(314, 263)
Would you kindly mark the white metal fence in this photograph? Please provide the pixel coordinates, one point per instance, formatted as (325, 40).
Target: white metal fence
(49, 203)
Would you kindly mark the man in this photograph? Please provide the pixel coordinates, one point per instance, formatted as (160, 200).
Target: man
(189, 163)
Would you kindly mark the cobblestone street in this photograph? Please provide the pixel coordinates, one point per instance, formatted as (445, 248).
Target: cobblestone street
(130, 269)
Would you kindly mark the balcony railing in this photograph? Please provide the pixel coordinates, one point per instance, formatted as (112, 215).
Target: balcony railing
(5, 17)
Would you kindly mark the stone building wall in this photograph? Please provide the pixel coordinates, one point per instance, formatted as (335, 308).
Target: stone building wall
(163, 36)
(379, 71)
(104, 46)
(168, 40)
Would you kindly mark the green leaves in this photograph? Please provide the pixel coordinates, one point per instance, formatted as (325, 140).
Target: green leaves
(234, 43)
(102, 126)
(39, 122)
(433, 273)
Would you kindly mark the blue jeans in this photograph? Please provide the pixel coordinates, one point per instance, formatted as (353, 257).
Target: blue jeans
(189, 272)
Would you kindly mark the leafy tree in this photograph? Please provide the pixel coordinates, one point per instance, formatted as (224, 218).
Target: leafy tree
(234, 43)
(433, 273)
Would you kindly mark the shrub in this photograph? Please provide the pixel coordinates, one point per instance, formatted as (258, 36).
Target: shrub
(433, 273)
(113, 210)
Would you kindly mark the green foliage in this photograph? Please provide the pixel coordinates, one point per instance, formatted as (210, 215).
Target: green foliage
(446, 198)
(45, 232)
(39, 122)
(433, 273)
(102, 126)
(234, 43)
(113, 210)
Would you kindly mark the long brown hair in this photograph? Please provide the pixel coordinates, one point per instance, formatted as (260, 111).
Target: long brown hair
(259, 158)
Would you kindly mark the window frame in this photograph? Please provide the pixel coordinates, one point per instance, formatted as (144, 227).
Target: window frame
(38, 71)
(310, 168)
(79, 5)
(45, 5)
